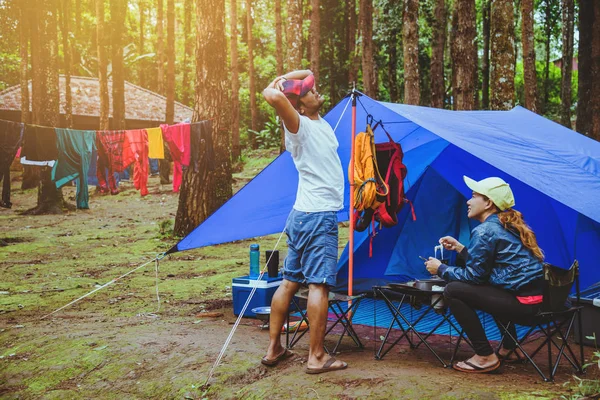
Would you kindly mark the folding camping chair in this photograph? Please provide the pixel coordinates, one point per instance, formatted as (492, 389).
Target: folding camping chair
(341, 316)
(554, 321)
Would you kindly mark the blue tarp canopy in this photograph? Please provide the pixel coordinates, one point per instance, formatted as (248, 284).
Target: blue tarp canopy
(553, 171)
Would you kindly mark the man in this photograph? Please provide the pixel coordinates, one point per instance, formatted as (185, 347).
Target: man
(311, 226)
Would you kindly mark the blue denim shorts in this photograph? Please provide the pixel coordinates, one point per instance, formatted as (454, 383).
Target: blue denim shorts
(312, 247)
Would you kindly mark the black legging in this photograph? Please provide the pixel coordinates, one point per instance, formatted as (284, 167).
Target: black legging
(464, 298)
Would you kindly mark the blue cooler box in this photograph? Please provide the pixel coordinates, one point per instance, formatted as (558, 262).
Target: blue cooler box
(590, 315)
(242, 286)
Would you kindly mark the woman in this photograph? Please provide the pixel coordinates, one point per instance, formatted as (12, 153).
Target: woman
(503, 271)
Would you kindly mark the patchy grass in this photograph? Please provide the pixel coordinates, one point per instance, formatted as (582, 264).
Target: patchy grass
(117, 344)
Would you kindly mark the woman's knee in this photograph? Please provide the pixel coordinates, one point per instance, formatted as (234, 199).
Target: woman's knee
(452, 290)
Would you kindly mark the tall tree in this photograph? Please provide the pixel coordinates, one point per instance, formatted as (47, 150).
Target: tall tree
(584, 61)
(503, 53)
(464, 54)
(118, 11)
(251, 76)
(142, 43)
(278, 38)
(66, 36)
(528, 39)
(235, 80)
(351, 41)
(566, 68)
(187, 88)
(170, 111)
(160, 50)
(410, 41)
(315, 36)
(368, 52)
(31, 175)
(294, 35)
(549, 9)
(391, 23)
(595, 93)
(485, 61)
(45, 93)
(204, 191)
(24, 54)
(102, 66)
(438, 43)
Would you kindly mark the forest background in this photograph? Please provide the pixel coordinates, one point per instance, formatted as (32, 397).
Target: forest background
(216, 56)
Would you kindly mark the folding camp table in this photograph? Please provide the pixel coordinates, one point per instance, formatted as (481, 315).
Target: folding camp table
(341, 316)
(427, 299)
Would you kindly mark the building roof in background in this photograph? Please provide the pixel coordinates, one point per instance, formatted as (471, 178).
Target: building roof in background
(140, 103)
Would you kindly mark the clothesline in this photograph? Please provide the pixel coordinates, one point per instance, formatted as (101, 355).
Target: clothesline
(69, 152)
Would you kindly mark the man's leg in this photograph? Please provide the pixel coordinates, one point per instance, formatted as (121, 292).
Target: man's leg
(279, 308)
(318, 304)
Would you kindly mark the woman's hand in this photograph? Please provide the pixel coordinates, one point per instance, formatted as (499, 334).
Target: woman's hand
(452, 244)
(432, 265)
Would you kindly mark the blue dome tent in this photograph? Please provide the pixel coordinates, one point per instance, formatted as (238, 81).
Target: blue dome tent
(554, 173)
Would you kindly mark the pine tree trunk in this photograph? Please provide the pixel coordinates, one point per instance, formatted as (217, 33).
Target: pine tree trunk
(141, 64)
(528, 39)
(410, 42)
(24, 54)
(595, 94)
(584, 62)
(464, 55)
(294, 35)
(315, 36)
(187, 87)
(548, 30)
(170, 111)
(236, 150)
(31, 176)
(278, 38)
(102, 66)
(368, 53)
(251, 76)
(392, 44)
(65, 30)
(279, 57)
(204, 191)
(485, 62)
(502, 60)
(160, 50)
(118, 11)
(45, 95)
(352, 48)
(568, 20)
(438, 44)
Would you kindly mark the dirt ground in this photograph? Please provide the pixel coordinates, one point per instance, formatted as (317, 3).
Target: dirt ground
(117, 343)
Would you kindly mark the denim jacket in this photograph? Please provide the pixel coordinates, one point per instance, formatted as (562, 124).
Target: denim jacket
(495, 256)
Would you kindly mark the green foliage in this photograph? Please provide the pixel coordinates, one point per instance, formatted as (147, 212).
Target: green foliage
(270, 136)
(165, 229)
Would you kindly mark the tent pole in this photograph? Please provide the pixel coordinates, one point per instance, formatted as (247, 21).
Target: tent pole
(351, 205)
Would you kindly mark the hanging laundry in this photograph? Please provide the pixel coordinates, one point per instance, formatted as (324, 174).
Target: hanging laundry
(155, 143)
(11, 135)
(201, 146)
(74, 153)
(178, 139)
(92, 178)
(39, 146)
(135, 147)
(110, 159)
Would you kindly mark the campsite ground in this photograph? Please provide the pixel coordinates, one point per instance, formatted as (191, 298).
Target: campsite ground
(116, 344)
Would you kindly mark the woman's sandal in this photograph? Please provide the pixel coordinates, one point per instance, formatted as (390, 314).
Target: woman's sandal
(476, 369)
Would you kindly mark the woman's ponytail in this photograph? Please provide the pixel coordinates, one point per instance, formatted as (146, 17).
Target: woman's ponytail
(513, 220)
